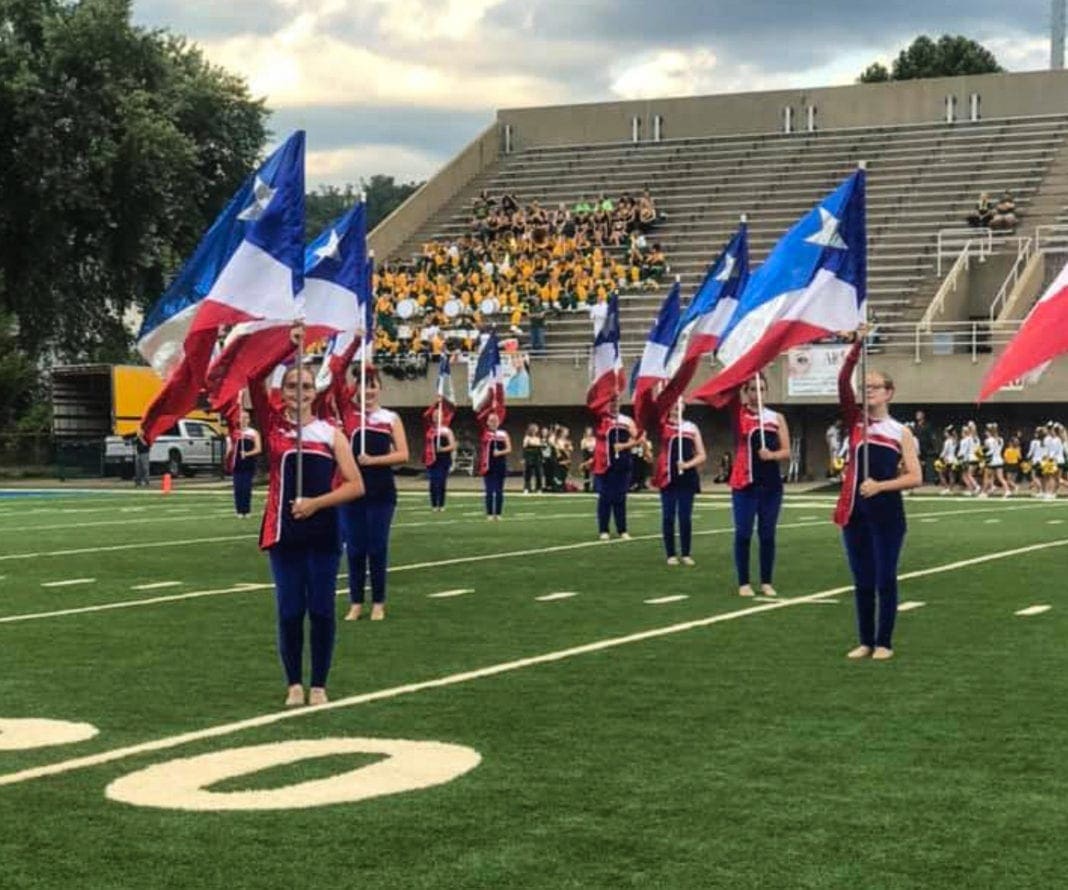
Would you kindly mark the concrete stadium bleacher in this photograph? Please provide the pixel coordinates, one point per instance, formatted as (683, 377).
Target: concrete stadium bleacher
(922, 178)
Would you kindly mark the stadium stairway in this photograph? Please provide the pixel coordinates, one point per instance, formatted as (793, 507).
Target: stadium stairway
(922, 179)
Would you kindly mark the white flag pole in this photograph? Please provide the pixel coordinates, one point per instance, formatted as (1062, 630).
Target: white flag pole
(300, 415)
(760, 410)
(866, 466)
(678, 429)
(363, 363)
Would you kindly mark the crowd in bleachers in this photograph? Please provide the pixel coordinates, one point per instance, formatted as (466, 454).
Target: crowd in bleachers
(517, 266)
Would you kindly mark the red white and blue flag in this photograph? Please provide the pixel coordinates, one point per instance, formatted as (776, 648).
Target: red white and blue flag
(707, 316)
(652, 368)
(248, 268)
(440, 412)
(607, 378)
(812, 285)
(1042, 337)
(487, 384)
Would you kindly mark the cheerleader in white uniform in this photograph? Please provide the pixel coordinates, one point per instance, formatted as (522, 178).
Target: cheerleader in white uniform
(994, 474)
(948, 459)
(969, 445)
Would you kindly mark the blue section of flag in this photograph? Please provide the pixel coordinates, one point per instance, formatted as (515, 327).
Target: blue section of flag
(831, 237)
(609, 330)
(666, 326)
(339, 254)
(725, 279)
(487, 368)
(632, 381)
(267, 211)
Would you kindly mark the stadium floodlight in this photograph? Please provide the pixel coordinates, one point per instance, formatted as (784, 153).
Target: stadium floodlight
(1056, 50)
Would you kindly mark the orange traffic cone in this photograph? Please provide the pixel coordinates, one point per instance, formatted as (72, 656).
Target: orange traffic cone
(167, 483)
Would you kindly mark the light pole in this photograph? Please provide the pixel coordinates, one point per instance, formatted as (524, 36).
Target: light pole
(1056, 49)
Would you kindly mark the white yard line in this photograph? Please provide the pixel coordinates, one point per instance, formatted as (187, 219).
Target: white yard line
(664, 600)
(156, 585)
(909, 605)
(553, 597)
(70, 582)
(446, 594)
(273, 717)
(1033, 610)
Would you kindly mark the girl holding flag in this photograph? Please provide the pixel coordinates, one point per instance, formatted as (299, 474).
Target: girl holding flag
(300, 523)
(870, 509)
(494, 447)
(378, 440)
(761, 441)
(616, 436)
(677, 477)
(242, 449)
(440, 443)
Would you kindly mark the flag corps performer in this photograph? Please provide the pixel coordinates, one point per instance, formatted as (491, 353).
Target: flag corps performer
(439, 442)
(681, 453)
(300, 522)
(762, 440)
(871, 511)
(615, 433)
(494, 444)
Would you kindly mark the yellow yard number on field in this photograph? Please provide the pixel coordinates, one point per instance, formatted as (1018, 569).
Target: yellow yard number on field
(185, 784)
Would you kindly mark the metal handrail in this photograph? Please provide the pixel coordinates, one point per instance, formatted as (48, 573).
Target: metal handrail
(959, 238)
(949, 283)
(1025, 251)
(1051, 238)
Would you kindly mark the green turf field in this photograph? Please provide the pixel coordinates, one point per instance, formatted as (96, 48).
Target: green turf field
(707, 741)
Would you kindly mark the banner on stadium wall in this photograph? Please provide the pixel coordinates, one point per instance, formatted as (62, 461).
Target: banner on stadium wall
(813, 370)
(516, 371)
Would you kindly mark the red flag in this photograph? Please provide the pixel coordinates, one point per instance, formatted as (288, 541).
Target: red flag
(1042, 337)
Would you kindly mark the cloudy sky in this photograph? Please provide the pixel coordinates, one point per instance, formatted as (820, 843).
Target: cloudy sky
(398, 86)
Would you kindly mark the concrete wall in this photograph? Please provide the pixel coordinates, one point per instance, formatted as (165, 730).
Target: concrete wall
(400, 225)
(860, 105)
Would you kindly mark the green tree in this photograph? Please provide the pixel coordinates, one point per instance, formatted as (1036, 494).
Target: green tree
(924, 57)
(118, 146)
(328, 202)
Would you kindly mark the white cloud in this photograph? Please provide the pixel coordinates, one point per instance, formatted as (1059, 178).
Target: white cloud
(349, 164)
(424, 21)
(666, 73)
(299, 66)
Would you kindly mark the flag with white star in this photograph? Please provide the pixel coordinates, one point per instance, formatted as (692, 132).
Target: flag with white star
(245, 272)
(332, 302)
(707, 315)
(813, 284)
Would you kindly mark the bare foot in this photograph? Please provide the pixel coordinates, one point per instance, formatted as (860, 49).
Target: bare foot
(859, 652)
(317, 696)
(295, 696)
(746, 590)
(378, 612)
(354, 612)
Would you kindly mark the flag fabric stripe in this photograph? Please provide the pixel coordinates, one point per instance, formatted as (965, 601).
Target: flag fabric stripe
(1042, 337)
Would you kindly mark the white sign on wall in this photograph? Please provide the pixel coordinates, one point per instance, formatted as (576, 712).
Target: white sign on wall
(813, 370)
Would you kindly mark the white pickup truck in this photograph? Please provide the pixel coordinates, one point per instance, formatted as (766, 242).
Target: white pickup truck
(189, 446)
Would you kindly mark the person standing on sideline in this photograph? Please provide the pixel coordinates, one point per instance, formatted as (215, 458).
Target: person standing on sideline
(494, 447)
(948, 459)
(532, 464)
(870, 510)
(587, 445)
(142, 460)
(379, 443)
(682, 452)
(616, 435)
(761, 441)
(442, 444)
(243, 450)
(927, 445)
(300, 528)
